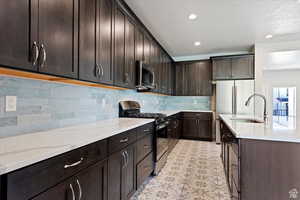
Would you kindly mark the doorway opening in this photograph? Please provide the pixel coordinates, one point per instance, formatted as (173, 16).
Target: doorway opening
(284, 107)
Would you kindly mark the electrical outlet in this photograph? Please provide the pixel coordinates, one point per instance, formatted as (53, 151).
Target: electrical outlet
(10, 103)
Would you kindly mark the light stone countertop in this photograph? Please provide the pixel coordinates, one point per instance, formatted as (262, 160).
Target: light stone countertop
(21, 151)
(173, 112)
(277, 129)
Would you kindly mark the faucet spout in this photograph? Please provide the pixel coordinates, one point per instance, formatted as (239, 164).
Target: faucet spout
(265, 103)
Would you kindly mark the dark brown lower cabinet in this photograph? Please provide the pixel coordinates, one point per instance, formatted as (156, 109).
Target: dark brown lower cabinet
(197, 126)
(90, 184)
(144, 169)
(260, 169)
(122, 174)
(174, 131)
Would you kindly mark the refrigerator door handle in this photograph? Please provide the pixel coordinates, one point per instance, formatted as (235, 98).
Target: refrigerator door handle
(233, 100)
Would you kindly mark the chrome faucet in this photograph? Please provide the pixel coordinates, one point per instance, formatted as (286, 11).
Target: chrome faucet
(265, 104)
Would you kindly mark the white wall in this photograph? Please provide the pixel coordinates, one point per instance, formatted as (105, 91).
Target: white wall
(267, 79)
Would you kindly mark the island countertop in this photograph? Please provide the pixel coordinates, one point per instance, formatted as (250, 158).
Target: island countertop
(272, 130)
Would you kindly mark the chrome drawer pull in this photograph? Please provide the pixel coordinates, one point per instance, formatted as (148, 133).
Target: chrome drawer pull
(146, 130)
(74, 164)
(124, 140)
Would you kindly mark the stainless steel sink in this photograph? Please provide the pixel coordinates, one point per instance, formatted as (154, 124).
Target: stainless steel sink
(245, 120)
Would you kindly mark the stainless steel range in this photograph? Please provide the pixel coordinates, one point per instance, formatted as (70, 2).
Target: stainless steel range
(132, 109)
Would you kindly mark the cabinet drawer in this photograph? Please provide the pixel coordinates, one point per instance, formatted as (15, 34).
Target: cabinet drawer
(144, 130)
(144, 169)
(121, 140)
(30, 181)
(144, 146)
(201, 116)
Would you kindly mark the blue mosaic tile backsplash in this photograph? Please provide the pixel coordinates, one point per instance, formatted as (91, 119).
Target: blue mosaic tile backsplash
(43, 105)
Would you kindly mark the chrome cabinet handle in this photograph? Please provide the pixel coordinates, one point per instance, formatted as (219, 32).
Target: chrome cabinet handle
(124, 140)
(124, 159)
(80, 190)
(35, 53)
(72, 190)
(127, 78)
(97, 73)
(44, 55)
(102, 70)
(127, 157)
(74, 164)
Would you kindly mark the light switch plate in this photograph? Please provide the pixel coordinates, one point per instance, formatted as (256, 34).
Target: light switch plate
(10, 103)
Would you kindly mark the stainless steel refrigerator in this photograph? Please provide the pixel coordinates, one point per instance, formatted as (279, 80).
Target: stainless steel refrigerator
(230, 99)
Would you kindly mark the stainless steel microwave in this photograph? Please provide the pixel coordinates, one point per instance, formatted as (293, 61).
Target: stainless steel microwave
(145, 77)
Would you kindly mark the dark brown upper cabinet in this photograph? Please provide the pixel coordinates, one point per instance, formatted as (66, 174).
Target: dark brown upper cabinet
(147, 49)
(95, 41)
(222, 68)
(194, 78)
(233, 67)
(40, 36)
(124, 50)
(16, 47)
(139, 44)
(129, 54)
(57, 31)
(243, 67)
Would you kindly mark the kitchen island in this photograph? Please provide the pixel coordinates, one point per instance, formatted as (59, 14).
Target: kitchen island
(261, 160)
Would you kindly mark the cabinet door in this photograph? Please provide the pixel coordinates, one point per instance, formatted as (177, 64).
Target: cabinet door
(147, 50)
(243, 67)
(104, 40)
(119, 47)
(95, 23)
(15, 35)
(90, 184)
(222, 69)
(129, 54)
(57, 32)
(121, 170)
(87, 39)
(203, 75)
(129, 174)
(205, 129)
(190, 128)
(179, 77)
(139, 44)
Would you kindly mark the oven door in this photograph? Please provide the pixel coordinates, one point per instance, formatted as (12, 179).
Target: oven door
(162, 141)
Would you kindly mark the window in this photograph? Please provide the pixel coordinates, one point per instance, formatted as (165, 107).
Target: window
(284, 107)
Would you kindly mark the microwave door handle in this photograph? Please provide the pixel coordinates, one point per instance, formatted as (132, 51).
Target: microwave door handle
(141, 75)
(154, 82)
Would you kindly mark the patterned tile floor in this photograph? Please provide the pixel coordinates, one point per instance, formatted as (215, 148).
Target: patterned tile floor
(193, 172)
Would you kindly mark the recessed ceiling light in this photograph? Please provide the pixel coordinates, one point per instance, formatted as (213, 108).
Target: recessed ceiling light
(269, 36)
(192, 16)
(197, 43)
(298, 1)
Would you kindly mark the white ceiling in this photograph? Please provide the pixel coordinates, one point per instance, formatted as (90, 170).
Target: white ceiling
(222, 26)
